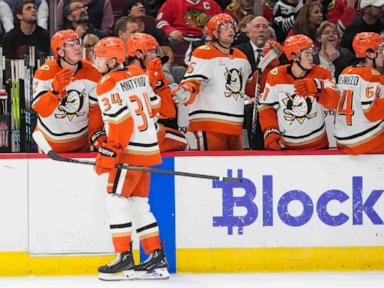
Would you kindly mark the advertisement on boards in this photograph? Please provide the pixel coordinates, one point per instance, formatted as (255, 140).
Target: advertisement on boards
(285, 201)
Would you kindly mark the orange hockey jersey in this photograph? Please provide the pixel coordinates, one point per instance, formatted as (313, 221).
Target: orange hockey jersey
(359, 122)
(219, 106)
(128, 103)
(67, 124)
(300, 119)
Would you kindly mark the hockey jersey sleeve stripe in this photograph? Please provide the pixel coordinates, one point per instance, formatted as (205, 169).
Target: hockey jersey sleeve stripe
(366, 102)
(216, 113)
(196, 76)
(61, 134)
(38, 96)
(269, 103)
(161, 24)
(361, 133)
(306, 135)
(123, 109)
(115, 120)
(94, 99)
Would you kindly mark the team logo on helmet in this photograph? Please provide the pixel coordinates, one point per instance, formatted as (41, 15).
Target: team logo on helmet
(234, 83)
(71, 105)
(298, 108)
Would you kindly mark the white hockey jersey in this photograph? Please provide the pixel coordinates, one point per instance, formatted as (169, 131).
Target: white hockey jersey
(300, 119)
(219, 106)
(354, 131)
(128, 103)
(67, 123)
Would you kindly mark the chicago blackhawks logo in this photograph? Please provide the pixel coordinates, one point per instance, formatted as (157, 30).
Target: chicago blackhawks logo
(195, 18)
(233, 83)
(298, 108)
(71, 105)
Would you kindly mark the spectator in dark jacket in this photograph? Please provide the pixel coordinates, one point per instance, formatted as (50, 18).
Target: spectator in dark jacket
(27, 33)
(76, 14)
(99, 11)
(42, 11)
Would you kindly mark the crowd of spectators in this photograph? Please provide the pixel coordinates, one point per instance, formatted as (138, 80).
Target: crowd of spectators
(179, 26)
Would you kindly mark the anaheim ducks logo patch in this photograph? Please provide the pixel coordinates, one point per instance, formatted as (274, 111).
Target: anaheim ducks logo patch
(71, 105)
(233, 83)
(298, 108)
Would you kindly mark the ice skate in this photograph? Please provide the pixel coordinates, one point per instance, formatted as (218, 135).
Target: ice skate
(155, 267)
(122, 268)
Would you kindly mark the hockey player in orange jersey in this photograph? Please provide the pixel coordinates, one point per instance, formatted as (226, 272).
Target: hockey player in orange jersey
(64, 97)
(359, 122)
(143, 52)
(291, 106)
(214, 88)
(127, 103)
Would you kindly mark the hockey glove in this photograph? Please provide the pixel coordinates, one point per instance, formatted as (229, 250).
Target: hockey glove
(61, 80)
(181, 94)
(155, 74)
(107, 158)
(308, 87)
(271, 44)
(273, 139)
(98, 138)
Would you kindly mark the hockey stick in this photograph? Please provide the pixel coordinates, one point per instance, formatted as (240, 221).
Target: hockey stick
(46, 148)
(267, 59)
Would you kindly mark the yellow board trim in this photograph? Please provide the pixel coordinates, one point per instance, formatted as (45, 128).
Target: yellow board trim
(21, 264)
(279, 259)
(218, 260)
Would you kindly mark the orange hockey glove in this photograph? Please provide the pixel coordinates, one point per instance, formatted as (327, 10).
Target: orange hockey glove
(98, 138)
(271, 44)
(308, 86)
(107, 158)
(61, 80)
(155, 74)
(273, 139)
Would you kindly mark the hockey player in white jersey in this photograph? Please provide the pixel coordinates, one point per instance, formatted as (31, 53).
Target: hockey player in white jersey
(214, 88)
(359, 122)
(128, 104)
(291, 107)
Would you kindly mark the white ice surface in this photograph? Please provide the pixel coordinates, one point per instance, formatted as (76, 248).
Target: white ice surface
(265, 280)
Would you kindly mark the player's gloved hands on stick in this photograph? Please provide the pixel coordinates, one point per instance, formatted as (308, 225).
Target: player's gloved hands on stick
(107, 158)
(181, 94)
(308, 86)
(273, 140)
(61, 80)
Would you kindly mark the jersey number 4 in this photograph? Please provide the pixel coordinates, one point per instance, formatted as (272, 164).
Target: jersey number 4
(345, 106)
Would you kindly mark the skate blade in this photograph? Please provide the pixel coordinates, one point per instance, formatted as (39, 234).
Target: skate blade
(156, 274)
(123, 275)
